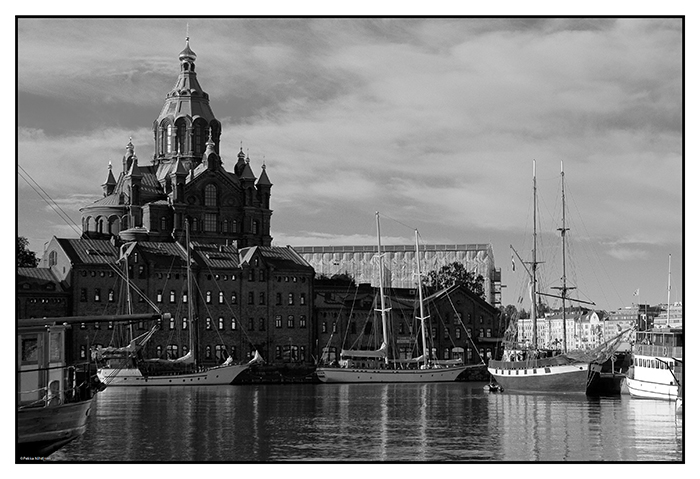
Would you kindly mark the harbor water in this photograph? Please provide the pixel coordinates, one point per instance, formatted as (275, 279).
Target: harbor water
(371, 423)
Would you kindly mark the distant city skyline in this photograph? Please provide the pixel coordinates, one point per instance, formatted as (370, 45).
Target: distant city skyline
(434, 122)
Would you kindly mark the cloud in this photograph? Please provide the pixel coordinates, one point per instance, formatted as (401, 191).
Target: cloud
(628, 254)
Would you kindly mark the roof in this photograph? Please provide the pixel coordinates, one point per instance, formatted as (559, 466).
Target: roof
(217, 256)
(89, 251)
(467, 291)
(36, 274)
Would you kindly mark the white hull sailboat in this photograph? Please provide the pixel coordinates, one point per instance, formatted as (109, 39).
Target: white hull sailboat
(216, 376)
(360, 366)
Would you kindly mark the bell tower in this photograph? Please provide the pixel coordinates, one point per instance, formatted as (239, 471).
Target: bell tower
(180, 132)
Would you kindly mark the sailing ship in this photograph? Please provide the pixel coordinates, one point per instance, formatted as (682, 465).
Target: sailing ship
(55, 391)
(135, 370)
(534, 368)
(657, 369)
(362, 366)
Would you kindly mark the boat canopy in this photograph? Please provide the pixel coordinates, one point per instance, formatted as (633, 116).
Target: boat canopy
(353, 353)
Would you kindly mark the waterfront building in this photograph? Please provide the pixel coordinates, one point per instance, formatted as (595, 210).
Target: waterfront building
(246, 299)
(670, 316)
(356, 261)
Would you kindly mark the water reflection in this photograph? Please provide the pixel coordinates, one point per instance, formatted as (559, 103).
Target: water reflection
(368, 423)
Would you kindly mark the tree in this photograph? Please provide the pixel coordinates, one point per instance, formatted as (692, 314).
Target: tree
(25, 257)
(455, 274)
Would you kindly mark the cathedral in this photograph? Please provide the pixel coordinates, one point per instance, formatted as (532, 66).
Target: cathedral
(184, 179)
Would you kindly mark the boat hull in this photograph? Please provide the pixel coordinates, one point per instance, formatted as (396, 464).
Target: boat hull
(560, 379)
(43, 430)
(651, 390)
(130, 377)
(350, 375)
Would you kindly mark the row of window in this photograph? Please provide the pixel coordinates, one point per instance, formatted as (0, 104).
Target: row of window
(220, 324)
(290, 300)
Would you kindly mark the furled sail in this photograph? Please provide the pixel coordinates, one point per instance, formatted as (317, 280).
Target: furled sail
(355, 353)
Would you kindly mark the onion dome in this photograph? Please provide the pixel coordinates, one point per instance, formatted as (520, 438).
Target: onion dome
(187, 53)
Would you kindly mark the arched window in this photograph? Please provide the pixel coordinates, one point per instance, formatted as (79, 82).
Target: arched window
(163, 224)
(210, 195)
(169, 139)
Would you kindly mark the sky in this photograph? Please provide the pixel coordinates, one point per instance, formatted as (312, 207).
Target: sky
(433, 122)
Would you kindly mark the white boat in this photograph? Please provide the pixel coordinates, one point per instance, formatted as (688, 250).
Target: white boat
(532, 368)
(657, 361)
(133, 370)
(657, 366)
(361, 366)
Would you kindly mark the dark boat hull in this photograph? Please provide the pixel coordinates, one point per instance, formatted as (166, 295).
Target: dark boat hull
(43, 430)
(558, 379)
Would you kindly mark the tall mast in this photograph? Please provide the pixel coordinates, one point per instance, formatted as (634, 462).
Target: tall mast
(533, 307)
(422, 317)
(563, 230)
(383, 310)
(668, 300)
(190, 297)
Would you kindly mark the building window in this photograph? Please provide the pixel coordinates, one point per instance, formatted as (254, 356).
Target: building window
(278, 298)
(255, 227)
(401, 328)
(302, 298)
(302, 353)
(210, 222)
(171, 351)
(207, 352)
(251, 324)
(261, 324)
(291, 299)
(458, 333)
(210, 195)
(221, 323)
(220, 353)
(184, 297)
(481, 333)
(172, 323)
(159, 296)
(159, 351)
(278, 321)
(261, 275)
(110, 296)
(488, 332)
(172, 295)
(97, 295)
(278, 352)
(221, 297)
(83, 351)
(184, 324)
(302, 321)
(83, 295)
(324, 327)
(234, 226)
(262, 298)
(110, 325)
(234, 325)
(208, 324)
(447, 333)
(290, 321)
(251, 297)
(234, 298)
(208, 297)
(446, 353)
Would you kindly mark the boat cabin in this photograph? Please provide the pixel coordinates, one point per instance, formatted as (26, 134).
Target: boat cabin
(46, 374)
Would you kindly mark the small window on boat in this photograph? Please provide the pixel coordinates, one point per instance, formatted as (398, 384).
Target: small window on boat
(30, 349)
(547, 370)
